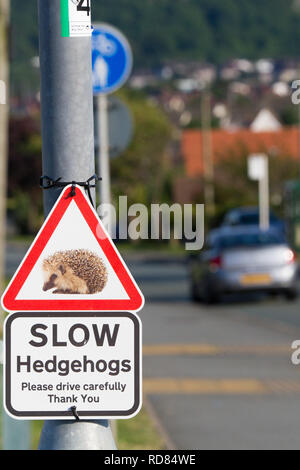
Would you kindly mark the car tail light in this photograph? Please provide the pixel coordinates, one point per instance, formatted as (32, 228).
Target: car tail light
(216, 263)
(290, 256)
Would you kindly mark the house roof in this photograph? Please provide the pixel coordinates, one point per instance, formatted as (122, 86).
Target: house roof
(285, 141)
(265, 121)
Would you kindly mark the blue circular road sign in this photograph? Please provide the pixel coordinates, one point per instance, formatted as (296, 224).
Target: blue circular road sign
(111, 59)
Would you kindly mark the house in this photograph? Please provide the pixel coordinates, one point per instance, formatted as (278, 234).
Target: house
(265, 121)
(284, 141)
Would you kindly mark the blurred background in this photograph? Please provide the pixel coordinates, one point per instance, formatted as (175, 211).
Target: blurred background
(238, 55)
(211, 85)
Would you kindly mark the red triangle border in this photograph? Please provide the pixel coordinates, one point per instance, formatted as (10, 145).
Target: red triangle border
(133, 304)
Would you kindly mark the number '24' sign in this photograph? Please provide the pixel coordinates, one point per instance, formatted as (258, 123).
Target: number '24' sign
(83, 5)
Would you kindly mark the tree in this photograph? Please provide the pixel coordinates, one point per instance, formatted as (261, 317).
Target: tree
(234, 189)
(25, 169)
(141, 171)
(159, 30)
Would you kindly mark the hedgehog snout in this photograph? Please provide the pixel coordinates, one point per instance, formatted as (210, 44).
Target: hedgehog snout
(51, 283)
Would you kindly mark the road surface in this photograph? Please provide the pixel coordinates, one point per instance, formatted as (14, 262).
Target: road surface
(218, 377)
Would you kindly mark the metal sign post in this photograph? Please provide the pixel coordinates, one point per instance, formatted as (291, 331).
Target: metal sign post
(103, 158)
(68, 153)
(264, 197)
(258, 170)
(120, 127)
(112, 65)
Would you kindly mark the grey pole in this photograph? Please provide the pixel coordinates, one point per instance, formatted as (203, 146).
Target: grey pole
(67, 101)
(208, 166)
(68, 152)
(264, 198)
(103, 158)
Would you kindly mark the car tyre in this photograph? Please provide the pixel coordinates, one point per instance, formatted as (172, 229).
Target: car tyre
(211, 297)
(291, 294)
(194, 293)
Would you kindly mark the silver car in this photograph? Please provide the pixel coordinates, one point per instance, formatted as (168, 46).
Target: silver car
(243, 259)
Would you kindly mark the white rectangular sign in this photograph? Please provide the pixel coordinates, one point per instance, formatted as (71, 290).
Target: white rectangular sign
(257, 167)
(76, 18)
(63, 365)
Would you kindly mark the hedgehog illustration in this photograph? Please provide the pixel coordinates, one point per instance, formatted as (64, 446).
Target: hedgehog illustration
(74, 272)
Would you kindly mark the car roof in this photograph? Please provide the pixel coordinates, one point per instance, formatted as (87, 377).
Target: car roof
(241, 230)
(245, 210)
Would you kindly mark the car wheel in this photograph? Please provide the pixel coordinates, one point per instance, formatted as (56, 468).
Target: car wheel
(291, 294)
(274, 294)
(211, 297)
(194, 293)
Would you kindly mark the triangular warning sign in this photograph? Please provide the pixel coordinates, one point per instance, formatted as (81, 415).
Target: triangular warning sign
(72, 265)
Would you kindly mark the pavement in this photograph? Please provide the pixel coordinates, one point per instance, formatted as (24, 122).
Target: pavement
(217, 377)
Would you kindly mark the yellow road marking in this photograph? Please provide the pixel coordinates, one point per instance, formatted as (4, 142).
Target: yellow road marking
(203, 386)
(213, 350)
(175, 349)
(172, 386)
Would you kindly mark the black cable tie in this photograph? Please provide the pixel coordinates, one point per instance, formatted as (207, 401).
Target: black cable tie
(48, 183)
(74, 412)
(73, 190)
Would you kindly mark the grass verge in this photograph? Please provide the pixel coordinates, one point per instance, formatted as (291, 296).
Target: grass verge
(139, 433)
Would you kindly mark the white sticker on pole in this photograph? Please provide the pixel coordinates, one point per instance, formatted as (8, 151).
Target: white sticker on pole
(72, 365)
(76, 18)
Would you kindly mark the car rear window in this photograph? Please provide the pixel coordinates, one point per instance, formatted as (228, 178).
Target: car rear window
(249, 219)
(251, 239)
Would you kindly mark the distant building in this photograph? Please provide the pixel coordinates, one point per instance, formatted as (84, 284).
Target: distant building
(281, 89)
(188, 85)
(265, 66)
(244, 65)
(205, 74)
(289, 74)
(265, 121)
(240, 88)
(229, 73)
(236, 143)
(142, 80)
